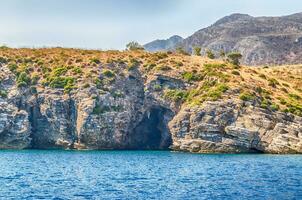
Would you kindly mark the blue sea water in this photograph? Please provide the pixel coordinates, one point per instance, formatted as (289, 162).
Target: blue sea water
(34, 174)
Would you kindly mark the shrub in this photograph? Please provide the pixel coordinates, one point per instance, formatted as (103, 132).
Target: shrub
(181, 50)
(190, 76)
(133, 64)
(3, 60)
(235, 72)
(265, 103)
(246, 96)
(176, 95)
(210, 54)
(59, 71)
(12, 67)
(157, 87)
(164, 68)
(222, 53)
(33, 90)
(34, 79)
(216, 93)
(274, 107)
(23, 80)
(108, 73)
(86, 85)
(273, 82)
(97, 110)
(234, 58)
(77, 70)
(262, 76)
(197, 51)
(62, 82)
(95, 61)
(3, 93)
(294, 96)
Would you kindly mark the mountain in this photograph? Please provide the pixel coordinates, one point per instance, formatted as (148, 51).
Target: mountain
(261, 40)
(86, 99)
(162, 45)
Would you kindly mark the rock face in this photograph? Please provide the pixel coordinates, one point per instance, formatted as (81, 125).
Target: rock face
(162, 45)
(261, 40)
(132, 114)
(124, 118)
(230, 126)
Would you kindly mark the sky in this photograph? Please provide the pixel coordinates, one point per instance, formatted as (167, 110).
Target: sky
(111, 24)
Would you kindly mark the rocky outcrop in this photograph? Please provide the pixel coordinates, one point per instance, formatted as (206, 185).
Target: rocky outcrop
(14, 127)
(233, 126)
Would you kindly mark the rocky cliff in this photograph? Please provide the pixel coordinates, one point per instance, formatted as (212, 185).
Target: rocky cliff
(261, 40)
(160, 45)
(80, 99)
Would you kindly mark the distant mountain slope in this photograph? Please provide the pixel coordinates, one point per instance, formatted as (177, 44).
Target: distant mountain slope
(159, 45)
(261, 40)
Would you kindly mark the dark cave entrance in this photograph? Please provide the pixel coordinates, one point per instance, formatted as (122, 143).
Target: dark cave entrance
(153, 133)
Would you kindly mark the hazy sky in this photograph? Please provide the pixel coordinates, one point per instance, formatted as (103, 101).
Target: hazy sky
(110, 24)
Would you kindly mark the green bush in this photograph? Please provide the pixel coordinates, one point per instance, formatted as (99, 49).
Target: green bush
(176, 95)
(216, 93)
(59, 71)
(133, 64)
(12, 67)
(190, 76)
(3, 60)
(95, 61)
(108, 73)
(98, 110)
(235, 72)
(23, 80)
(246, 96)
(274, 107)
(164, 68)
(273, 82)
(77, 70)
(181, 50)
(3, 93)
(63, 82)
(33, 90)
(197, 51)
(157, 87)
(210, 54)
(294, 96)
(262, 76)
(265, 103)
(234, 58)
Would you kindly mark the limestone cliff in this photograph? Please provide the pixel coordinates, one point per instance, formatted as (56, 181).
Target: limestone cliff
(76, 99)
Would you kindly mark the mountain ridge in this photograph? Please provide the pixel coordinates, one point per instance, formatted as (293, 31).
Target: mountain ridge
(261, 40)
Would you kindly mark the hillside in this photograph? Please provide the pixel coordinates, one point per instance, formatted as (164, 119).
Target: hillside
(87, 99)
(159, 45)
(261, 40)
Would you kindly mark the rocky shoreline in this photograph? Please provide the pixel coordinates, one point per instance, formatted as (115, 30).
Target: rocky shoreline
(133, 113)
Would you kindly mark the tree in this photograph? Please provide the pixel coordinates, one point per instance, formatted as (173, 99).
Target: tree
(222, 53)
(197, 51)
(210, 54)
(181, 50)
(234, 58)
(133, 46)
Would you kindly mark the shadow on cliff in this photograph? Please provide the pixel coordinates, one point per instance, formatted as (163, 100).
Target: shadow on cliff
(153, 132)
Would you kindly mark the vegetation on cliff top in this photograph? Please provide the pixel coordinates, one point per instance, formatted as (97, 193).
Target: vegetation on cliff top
(206, 79)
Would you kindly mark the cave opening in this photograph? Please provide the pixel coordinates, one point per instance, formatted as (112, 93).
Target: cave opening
(153, 133)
